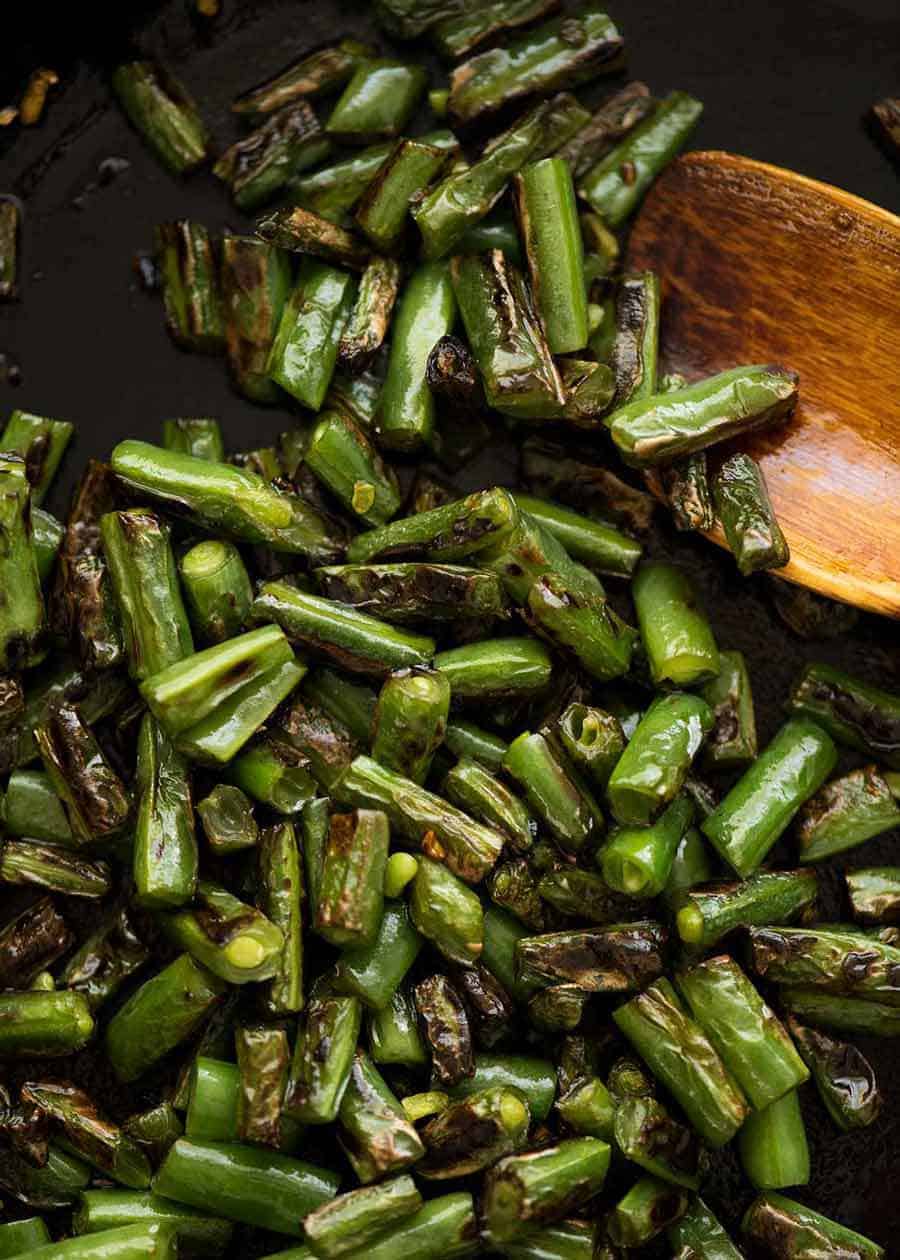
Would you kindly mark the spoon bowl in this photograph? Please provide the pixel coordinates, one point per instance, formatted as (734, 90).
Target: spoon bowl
(761, 265)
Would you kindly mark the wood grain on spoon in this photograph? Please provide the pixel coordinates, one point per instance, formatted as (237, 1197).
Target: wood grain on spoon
(760, 265)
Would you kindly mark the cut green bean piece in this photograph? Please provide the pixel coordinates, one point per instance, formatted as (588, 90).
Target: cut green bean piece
(850, 1015)
(10, 229)
(41, 443)
(352, 639)
(99, 1142)
(593, 739)
(304, 351)
(43, 1025)
(415, 594)
(275, 773)
(31, 941)
(322, 740)
(24, 862)
(263, 1055)
(617, 184)
(256, 281)
(874, 893)
(200, 437)
(105, 961)
(145, 581)
(410, 168)
(445, 1029)
(678, 1052)
(378, 101)
(394, 1035)
(649, 1207)
(711, 911)
(524, 1192)
(618, 115)
(661, 428)
(300, 231)
(58, 1184)
(425, 313)
(159, 1015)
(153, 1240)
(798, 1232)
(228, 500)
(837, 959)
(468, 194)
(751, 1041)
(410, 721)
(318, 72)
(165, 846)
(762, 803)
(844, 1077)
(598, 546)
(243, 1183)
(216, 589)
(519, 376)
(647, 1135)
(347, 702)
(473, 788)
(95, 797)
(367, 327)
(677, 636)
(685, 486)
(351, 891)
(584, 895)
(460, 34)
(474, 1132)
(47, 535)
(190, 286)
(374, 1132)
(233, 940)
(732, 741)
(345, 461)
(496, 670)
(353, 1220)
(637, 861)
(563, 52)
(551, 235)
(853, 712)
(18, 1238)
(635, 344)
(699, 1235)
(554, 790)
(748, 518)
(374, 972)
(161, 110)
(652, 769)
(22, 621)
(469, 849)
(280, 897)
(457, 531)
(533, 1078)
(257, 166)
(619, 958)
(196, 1231)
(844, 814)
(446, 912)
(154, 1130)
(443, 1229)
(32, 808)
(195, 689)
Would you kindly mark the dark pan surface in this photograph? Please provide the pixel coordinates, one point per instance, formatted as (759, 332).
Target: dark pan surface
(782, 81)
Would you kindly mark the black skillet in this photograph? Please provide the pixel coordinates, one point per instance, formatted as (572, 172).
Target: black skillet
(784, 82)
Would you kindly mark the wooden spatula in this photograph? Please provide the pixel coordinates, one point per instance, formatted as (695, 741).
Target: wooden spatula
(760, 265)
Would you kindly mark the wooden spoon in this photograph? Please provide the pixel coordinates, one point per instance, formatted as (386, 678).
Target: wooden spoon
(760, 265)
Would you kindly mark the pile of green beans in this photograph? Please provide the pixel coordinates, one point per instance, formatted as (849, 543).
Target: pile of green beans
(428, 834)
